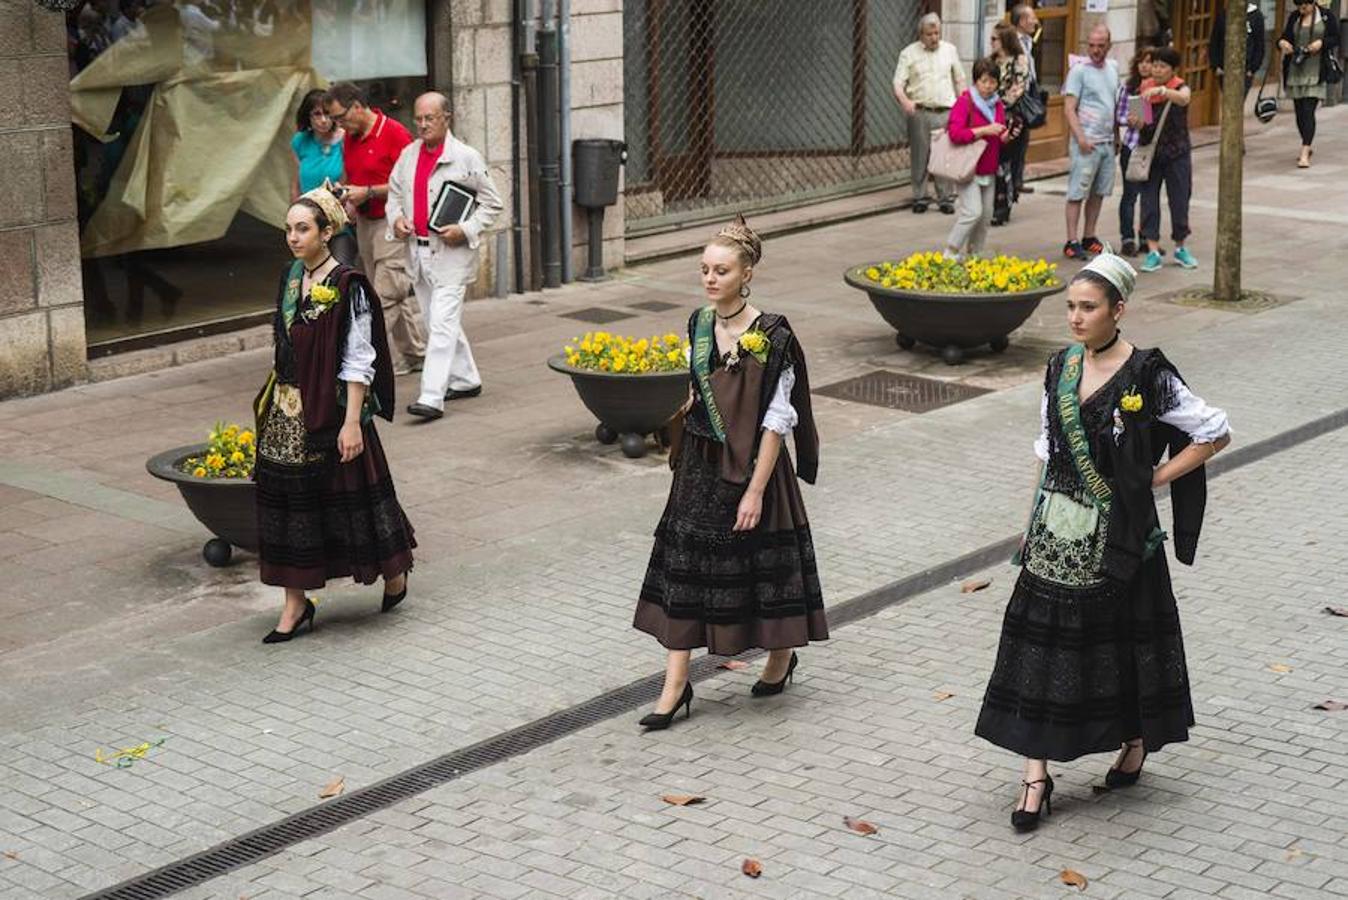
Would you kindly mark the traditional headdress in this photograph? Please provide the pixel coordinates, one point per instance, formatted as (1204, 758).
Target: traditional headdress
(1114, 269)
(740, 232)
(331, 206)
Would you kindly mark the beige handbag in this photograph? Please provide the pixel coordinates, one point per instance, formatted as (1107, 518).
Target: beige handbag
(1139, 163)
(954, 161)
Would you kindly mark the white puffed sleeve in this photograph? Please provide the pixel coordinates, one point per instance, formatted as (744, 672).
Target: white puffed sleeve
(1202, 423)
(358, 356)
(781, 416)
(1041, 442)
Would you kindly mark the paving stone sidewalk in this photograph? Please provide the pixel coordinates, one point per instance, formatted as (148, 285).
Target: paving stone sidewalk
(533, 541)
(879, 726)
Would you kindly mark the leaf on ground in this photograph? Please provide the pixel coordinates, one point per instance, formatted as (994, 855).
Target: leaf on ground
(332, 788)
(1337, 611)
(941, 695)
(974, 584)
(1331, 705)
(1280, 668)
(10, 854)
(751, 867)
(733, 664)
(1293, 853)
(860, 826)
(1073, 878)
(682, 799)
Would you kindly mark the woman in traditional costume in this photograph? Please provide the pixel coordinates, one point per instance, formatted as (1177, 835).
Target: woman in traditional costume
(1091, 657)
(733, 565)
(326, 507)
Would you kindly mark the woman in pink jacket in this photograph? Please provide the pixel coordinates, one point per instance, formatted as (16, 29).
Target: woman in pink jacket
(978, 114)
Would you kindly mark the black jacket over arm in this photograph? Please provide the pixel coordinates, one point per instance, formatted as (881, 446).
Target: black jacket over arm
(1331, 44)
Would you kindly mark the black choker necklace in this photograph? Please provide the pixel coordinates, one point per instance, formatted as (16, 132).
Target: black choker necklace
(310, 272)
(743, 307)
(1112, 341)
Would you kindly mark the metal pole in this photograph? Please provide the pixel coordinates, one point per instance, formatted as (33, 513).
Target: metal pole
(1226, 262)
(529, 67)
(564, 112)
(548, 156)
(516, 157)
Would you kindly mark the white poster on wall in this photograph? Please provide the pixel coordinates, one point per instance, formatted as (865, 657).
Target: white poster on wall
(1097, 6)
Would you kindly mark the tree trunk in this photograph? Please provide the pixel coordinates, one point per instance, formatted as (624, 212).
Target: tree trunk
(1226, 265)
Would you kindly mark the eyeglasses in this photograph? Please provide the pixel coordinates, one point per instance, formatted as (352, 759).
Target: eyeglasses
(339, 116)
(433, 117)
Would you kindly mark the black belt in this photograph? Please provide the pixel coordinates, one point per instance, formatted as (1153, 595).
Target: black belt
(934, 108)
(423, 242)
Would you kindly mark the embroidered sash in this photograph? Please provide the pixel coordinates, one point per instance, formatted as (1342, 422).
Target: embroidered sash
(704, 342)
(1069, 411)
(290, 304)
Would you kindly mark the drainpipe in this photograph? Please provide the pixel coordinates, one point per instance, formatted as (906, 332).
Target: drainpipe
(516, 157)
(564, 110)
(529, 69)
(548, 149)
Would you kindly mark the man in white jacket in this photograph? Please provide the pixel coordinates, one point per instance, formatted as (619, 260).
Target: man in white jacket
(442, 262)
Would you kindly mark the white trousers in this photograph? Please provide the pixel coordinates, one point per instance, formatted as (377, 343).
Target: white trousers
(973, 215)
(449, 360)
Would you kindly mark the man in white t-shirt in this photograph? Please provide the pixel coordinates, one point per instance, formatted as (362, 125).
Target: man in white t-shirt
(1090, 94)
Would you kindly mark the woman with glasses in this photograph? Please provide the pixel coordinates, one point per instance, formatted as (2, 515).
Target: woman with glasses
(317, 148)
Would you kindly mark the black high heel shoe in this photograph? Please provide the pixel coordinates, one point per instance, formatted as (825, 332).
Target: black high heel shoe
(280, 637)
(1023, 820)
(392, 600)
(660, 721)
(763, 688)
(1117, 778)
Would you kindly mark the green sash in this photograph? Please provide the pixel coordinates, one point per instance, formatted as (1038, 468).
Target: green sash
(704, 340)
(290, 304)
(1069, 410)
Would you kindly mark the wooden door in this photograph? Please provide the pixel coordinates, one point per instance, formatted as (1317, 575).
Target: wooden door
(1057, 39)
(1193, 29)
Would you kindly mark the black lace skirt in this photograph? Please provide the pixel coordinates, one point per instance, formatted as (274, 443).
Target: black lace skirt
(319, 518)
(1081, 670)
(708, 586)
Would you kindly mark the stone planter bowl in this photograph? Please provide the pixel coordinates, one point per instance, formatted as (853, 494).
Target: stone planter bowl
(226, 506)
(628, 407)
(952, 323)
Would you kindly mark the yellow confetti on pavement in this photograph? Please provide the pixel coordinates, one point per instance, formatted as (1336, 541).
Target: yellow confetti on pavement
(127, 756)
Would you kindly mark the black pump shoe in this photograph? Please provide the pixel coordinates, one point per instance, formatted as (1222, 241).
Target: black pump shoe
(1117, 778)
(392, 600)
(1023, 820)
(280, 637)
(660, 721)
(763, 688)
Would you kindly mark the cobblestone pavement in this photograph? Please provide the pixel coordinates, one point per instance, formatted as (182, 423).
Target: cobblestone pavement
(113, 633)
(879, 726)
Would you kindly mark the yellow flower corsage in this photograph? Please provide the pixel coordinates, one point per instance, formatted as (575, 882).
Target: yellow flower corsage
(756, 344)
(323, 295)
(1131, 402)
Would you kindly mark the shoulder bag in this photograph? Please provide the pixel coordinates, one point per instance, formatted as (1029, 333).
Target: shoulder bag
(1265, 108)
(954, 161)
(1139, 163)
(1031, 107)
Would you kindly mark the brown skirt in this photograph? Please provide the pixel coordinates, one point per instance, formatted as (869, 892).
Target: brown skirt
(709, 586)
(319, 518)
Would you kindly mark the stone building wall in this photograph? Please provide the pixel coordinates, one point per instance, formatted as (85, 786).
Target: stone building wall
(472, 38)
(41, 296)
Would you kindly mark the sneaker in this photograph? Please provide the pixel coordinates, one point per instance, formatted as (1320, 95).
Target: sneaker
(1093, 245)
(920, 206)
(1074, 250)
(1129, 247)
(948, 207)
(1184, 258)
(1152, 263)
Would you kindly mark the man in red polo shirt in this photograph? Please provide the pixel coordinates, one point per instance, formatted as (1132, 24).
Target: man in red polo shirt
(373, 143)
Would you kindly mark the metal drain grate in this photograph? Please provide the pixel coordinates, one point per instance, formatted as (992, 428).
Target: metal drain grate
(270, 839)
(597, 315)
(654, 305)
(895, 390)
